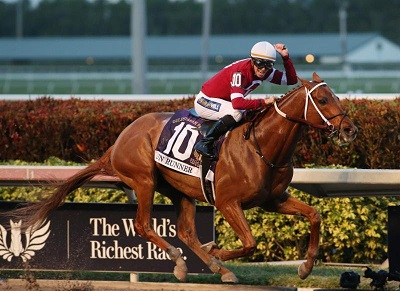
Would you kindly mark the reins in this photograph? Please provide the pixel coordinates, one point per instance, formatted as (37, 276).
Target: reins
(251, 128)
(268, 162)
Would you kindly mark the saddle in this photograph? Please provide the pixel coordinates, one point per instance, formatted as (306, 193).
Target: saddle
(205, 125)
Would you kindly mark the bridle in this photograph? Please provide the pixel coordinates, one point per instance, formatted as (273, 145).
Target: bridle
(328, 126)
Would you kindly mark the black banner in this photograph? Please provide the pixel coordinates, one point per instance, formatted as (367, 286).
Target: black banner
(99, 237)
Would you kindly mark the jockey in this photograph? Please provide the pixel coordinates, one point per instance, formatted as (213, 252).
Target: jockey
(223, 97)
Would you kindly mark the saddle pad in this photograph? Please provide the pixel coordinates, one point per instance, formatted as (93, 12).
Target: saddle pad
(175, 146)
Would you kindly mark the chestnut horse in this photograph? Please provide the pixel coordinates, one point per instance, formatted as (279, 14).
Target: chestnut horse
(254, 169)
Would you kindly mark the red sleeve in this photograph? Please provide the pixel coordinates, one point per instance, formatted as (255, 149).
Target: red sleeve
(291, 75)
(240, 103)
(290, 72)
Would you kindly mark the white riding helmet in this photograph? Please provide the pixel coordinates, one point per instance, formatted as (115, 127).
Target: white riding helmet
(263, 50)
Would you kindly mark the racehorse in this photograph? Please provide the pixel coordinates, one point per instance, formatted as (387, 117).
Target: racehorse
(254, 169)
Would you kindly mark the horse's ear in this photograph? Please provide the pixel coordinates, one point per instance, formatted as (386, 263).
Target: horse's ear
(305, 83)
(316, 78)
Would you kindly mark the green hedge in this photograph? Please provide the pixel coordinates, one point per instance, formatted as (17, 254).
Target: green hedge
(77, 130)
(353, 230)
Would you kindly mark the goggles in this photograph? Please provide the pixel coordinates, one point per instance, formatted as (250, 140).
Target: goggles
(259, 63)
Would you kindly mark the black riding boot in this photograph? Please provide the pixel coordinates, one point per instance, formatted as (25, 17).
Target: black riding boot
(206, 145)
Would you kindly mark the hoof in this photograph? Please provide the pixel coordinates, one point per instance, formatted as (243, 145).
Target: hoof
(180, 273)
(229, 278)
(180, 270)
(208, 247)
(303, 271)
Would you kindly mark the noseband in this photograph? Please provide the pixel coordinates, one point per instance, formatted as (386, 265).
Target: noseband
(328, 126)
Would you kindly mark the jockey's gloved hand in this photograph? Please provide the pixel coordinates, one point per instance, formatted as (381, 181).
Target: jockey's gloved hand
(269, 100)
(282, 49)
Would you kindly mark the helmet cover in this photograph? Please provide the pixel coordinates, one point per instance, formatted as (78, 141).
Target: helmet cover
(263, 50)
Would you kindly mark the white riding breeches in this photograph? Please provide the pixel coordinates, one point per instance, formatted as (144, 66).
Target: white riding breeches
(215, 108)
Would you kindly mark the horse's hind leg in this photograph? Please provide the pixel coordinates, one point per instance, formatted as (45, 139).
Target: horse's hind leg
(186, 211)
(294, 206)
(137, 169)
(144, 228)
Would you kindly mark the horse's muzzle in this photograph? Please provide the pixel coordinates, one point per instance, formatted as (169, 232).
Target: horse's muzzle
(348, 133)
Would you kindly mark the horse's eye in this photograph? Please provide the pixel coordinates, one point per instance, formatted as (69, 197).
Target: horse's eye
(322, 101)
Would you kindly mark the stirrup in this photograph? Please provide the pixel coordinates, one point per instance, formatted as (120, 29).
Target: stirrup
(202, 149)
(212, 157)
(206, 154)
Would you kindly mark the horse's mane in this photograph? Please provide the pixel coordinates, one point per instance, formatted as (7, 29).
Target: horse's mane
(289, 93)
(253, 117)
(257, 114)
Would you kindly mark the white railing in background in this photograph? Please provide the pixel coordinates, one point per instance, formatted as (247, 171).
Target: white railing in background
(100, 82)
(322, 183)
(165, 97)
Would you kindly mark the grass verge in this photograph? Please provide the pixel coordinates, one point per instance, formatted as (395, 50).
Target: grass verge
(248, 274)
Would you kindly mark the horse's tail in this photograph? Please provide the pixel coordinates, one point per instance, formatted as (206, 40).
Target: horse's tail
(35, 213)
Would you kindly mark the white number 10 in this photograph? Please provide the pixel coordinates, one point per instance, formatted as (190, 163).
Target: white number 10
(236, 80)
(175, 142)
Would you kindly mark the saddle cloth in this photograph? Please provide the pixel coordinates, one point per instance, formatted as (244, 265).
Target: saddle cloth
(175, 146)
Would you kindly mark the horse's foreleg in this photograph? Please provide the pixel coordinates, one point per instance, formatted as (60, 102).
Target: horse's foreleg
(294, 206)
(186, 208)
(233, 214)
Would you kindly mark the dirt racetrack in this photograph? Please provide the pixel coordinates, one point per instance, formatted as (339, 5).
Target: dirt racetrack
(47, 285)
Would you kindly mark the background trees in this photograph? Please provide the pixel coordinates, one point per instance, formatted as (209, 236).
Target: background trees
(101, 17)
